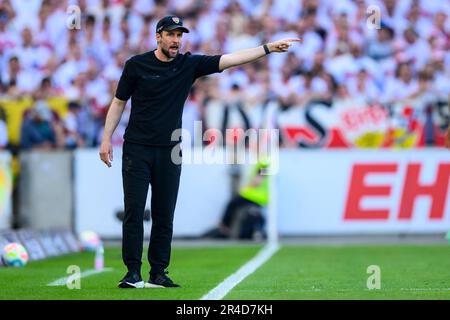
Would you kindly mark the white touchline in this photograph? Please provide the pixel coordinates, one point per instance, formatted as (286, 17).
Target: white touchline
(85, 274)
(348, 290)
(229, 283)
(425, 289)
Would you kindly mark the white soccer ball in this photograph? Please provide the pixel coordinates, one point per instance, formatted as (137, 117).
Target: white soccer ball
(90, 240)
(15, 255)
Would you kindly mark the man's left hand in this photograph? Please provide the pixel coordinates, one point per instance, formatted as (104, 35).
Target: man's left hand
(282, 45)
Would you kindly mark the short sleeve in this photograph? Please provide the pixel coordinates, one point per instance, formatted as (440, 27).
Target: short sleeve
(207, 65)
(126, 84)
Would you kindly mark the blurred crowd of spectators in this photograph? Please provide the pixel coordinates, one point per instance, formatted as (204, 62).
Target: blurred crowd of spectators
(340, 57)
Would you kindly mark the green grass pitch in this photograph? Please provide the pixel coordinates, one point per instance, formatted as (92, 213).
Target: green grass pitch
(293, 273)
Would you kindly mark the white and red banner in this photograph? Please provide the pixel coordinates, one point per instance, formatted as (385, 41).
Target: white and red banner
(344, 123)
(353, 123)
(358, 192)
(318, 192)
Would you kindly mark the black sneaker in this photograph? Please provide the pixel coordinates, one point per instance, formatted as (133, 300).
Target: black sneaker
(132, 280)
(161, 281)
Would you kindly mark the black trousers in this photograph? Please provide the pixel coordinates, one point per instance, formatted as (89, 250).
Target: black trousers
(143, 165)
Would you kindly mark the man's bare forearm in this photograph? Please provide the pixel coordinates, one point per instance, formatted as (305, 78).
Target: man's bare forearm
(248, 55)
(113, 117)
(241, 57)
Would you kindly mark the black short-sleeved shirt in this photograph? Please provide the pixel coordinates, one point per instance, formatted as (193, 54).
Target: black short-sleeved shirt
(158, 91)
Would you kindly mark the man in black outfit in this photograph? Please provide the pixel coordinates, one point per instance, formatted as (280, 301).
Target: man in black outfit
(158, 83)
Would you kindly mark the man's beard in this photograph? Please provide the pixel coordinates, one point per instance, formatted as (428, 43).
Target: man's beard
(167, 53)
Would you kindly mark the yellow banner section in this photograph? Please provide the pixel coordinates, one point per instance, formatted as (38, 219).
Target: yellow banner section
(6, 181)
(15, 110)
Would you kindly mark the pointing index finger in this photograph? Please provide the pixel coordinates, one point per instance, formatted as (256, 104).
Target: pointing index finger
(294, 40)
